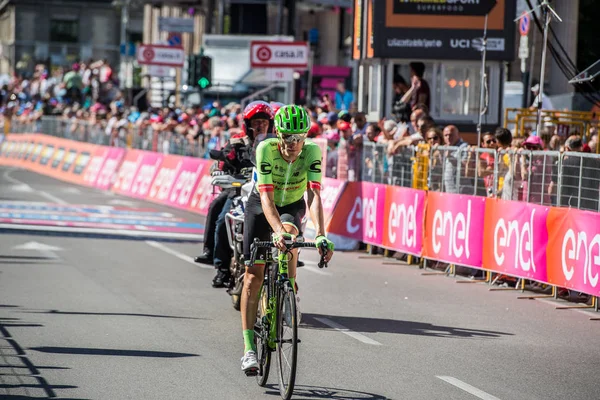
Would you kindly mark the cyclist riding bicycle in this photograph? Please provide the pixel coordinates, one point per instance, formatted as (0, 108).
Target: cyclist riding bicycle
(287, 167)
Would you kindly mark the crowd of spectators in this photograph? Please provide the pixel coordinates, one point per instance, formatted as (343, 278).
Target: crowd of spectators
(89, 105)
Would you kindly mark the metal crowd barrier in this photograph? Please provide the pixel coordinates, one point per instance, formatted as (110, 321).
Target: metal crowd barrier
(550, 178)
(125, 136)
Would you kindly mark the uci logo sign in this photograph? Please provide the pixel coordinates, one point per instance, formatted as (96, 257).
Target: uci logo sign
(460, 43)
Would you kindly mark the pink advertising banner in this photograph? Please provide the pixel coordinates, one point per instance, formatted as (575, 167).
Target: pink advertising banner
(403, 220)
(574, 249)
(203, 193)
(190, 173)
(454, 228)
(147, 171)
(360, 213)
(331, 190)
(515, 238)
(90, 176)
(108, 172)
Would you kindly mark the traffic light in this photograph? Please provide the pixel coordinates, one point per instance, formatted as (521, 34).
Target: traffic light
(204, 77)
(199, 71)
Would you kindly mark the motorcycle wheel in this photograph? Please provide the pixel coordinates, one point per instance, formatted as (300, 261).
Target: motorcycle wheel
(236, 285)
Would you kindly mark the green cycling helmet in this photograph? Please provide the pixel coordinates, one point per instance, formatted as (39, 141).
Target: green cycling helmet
(292, 120)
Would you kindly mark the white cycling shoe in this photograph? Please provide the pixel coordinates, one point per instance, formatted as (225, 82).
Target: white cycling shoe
(250, 363)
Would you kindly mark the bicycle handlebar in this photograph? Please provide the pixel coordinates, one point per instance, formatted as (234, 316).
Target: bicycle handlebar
(290, 246)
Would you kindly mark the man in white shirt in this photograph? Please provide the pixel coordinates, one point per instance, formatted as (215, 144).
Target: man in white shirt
(546, 103)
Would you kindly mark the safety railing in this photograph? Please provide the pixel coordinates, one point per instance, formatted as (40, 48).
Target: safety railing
(550, 178)
(123, 134)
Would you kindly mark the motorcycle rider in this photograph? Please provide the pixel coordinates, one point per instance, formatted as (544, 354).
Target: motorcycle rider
(237, 155)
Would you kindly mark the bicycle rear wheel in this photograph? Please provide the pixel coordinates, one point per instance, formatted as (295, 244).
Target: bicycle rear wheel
(287, 344)
(261, 335)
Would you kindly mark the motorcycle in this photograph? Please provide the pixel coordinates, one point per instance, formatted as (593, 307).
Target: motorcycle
(234, 224)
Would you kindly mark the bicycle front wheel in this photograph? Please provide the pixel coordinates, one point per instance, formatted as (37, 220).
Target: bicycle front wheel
(287, 344)
(261, 335)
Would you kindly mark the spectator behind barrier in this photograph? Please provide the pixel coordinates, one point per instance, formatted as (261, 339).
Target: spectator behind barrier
(580, 178)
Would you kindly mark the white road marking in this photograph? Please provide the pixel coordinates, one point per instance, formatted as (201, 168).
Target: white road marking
(45, 249)
(22, 188)
(177, 254)
(52, 198)
(47, 195)
(9, 178)
(346, 331)
(72, 190)
(108, 232)
(468, 388)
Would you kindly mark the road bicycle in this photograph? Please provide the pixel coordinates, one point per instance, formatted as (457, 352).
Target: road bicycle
(276, 327)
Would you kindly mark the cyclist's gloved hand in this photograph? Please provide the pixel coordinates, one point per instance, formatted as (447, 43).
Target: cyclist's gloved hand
(280, 238)
(319, 240)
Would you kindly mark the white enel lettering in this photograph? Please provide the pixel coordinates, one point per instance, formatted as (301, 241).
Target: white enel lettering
(365, 208)
(569, 239)
(126, 173)
(593, 260)
(400, 216)
(356, 212)
(503, 240)
(458, 239)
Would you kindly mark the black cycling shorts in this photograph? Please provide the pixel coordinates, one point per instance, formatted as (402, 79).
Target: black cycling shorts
(257, 226)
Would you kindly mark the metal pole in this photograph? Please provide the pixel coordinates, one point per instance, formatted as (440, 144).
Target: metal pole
(542, 69)
(309, 83)
(124, 22)
(482, 83)
(527, 89)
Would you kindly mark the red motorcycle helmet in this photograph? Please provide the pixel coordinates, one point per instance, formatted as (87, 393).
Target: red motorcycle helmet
(275, 105)
(257, 109)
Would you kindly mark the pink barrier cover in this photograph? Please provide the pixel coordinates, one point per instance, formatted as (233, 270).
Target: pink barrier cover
(515, 238)
(454, 228)
(94, 168)
(203, 194)
(574, 250)
(188, 175)
(149, 167)
(360, 213)
(109, 169)
(403, 223)
(331, 190)
(165, 178)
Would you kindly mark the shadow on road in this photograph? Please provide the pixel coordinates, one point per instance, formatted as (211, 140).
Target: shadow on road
(18, 372)
(111, 352)
(23, 262)
(361, 324)
(5, 257)
(58, 312)
(316, 392)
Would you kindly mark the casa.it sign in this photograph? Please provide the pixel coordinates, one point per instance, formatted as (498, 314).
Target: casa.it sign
(278, 55)
(444, 7)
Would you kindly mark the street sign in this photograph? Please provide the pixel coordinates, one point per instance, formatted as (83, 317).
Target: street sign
(175, 39)
(524, 47)
(159, 71)
(167, 56)
(279, 54)
(524, 23)
(182, 25)
(279, 74)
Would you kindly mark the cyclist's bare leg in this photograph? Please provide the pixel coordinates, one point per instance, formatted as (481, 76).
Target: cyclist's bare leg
(253, 279)
(291, 228)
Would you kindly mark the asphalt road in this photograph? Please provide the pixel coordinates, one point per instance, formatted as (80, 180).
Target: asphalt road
(122, 319)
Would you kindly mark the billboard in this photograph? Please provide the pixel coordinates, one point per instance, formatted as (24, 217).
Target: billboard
(443, 29)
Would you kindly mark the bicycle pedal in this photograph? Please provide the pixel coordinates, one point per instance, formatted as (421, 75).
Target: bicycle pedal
(251, 372)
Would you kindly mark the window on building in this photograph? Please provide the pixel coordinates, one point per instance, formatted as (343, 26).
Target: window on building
(460, 90)
(66, 31)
